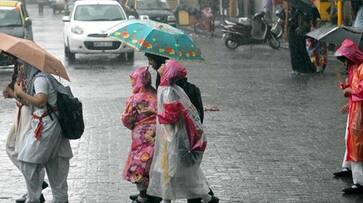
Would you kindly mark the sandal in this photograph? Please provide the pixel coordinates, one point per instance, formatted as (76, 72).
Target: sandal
(214, 200)
(136, 200)
(133, 197)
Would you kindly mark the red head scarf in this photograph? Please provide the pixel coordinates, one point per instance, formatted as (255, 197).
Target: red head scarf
(350, 50)
(142, 78)
(173, 71)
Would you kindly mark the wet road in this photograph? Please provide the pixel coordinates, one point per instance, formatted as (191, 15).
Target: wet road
(276, 138)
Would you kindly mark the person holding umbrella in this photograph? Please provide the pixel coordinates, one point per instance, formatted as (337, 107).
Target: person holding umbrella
(299, 23)
(352, 57)
(193, 92)
(44, 145)
(21, 125)
(179, 145)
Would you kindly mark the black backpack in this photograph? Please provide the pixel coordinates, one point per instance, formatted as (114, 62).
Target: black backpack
(194, 95)
(70, 114)
(192, 91)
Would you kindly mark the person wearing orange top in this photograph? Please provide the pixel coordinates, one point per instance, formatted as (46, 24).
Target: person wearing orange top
(352, 57)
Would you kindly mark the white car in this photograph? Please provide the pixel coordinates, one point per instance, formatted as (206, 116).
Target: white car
(85, 30)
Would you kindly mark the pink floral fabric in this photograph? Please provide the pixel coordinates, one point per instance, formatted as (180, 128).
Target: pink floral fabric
(141, 77)
(139, 116)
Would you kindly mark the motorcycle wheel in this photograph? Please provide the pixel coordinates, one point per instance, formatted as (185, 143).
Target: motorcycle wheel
(277, 29)
(230, 43)
(273, 41)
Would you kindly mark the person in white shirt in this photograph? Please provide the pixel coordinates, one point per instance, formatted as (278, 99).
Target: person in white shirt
(44, 145)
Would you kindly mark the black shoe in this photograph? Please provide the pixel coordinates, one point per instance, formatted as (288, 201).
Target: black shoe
(44, 185)
(197, 200)
(345, 172)
(133, 197)
(23, 199)
(42, 199)
(355, 189)
(214, 200)
(211, 193)
(153, 199)
(137, 201)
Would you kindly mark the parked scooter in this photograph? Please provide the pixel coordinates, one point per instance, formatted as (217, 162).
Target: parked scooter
(249, 31)
(277, 26)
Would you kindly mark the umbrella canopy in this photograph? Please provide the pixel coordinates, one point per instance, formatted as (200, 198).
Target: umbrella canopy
(33, 54)
(157, 38)
(336, 35)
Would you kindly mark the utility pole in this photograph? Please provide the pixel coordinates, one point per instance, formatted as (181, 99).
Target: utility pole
(339, 12)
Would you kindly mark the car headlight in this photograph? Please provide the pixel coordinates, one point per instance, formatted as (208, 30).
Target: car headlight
(77, 30)
(171, 18)
(144, 17)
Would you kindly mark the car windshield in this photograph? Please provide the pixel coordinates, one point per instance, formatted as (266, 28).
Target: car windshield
(98, 13)
(151, 4)
(10, 16)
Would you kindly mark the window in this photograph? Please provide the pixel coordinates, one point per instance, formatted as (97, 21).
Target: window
(151, 4)
(10, 16)
(99, 13)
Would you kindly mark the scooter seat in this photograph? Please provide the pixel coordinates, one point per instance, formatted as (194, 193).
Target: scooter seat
(227, 22)
(244, 21)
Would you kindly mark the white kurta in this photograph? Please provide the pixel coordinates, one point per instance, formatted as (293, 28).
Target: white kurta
(15, 138)
(51, 151)
(52, 142)
(170, 177)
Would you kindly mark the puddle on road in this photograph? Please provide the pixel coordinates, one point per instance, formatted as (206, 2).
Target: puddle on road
(85, 66)
(99, 62)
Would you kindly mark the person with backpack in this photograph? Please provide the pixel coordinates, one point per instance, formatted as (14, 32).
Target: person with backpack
(44, 145)
(191, 90)
(21, 125)
(140, 117)
(179, 144)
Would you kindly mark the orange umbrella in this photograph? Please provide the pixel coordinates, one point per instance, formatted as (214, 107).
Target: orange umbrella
(32, 54)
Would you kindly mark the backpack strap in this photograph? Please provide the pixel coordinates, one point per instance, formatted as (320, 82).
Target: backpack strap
(50, 109)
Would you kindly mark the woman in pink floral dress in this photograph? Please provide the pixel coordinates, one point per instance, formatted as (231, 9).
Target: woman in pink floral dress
(140, 117)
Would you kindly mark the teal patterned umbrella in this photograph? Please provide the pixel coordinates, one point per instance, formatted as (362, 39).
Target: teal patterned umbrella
(157, 38)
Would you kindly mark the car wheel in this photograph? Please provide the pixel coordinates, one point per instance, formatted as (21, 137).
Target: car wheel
(69, 55)
(122, 57)
(130, 56)
(66, 52)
